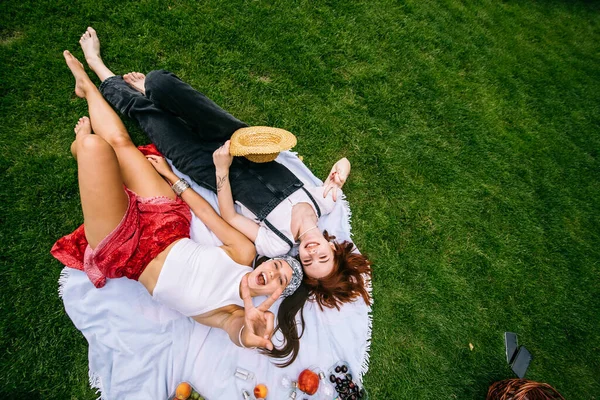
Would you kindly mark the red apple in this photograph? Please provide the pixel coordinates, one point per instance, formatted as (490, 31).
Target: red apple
(308, 382)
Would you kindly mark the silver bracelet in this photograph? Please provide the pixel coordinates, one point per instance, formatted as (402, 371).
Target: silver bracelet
(180, 186)
(240, 337)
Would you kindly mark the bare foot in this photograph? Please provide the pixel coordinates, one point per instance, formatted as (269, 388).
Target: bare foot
(90, 44)
(136, 80)
(83, 126)
(81, 78)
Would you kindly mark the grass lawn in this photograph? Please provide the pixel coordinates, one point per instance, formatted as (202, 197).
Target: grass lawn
(473, 128)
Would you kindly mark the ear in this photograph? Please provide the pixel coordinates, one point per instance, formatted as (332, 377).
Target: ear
(332, 245)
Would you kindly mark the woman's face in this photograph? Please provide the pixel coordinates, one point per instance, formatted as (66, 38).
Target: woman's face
(316, 256)
(268, 277)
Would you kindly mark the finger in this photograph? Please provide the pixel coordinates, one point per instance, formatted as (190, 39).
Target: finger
(270, 317)
(334, 195)
(227, 145)
(265, 305)
(267, 344)
(246, 297)
(256, 341)
(327, 189)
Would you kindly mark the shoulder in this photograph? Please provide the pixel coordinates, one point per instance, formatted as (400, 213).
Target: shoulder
(269, 244)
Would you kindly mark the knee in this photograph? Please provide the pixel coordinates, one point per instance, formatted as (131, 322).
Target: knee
(159, 79)
(119, 139)
(90, 144)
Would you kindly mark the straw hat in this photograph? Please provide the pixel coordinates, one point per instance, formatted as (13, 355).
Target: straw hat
(261, 143)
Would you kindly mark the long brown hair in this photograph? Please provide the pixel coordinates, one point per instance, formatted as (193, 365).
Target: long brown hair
(286, 323)
(347, 281)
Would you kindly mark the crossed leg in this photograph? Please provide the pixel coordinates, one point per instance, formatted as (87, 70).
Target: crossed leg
(107, 161)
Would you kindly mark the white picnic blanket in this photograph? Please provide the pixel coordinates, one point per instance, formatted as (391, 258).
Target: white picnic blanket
(141, 349)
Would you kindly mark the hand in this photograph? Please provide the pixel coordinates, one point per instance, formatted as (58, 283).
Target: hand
(160, 165)
(258, 321)
(222, 158)
(337, 177)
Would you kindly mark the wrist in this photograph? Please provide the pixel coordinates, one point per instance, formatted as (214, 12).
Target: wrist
(172, 178)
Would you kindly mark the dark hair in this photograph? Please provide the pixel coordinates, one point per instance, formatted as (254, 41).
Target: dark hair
(344, 284)
(347, 281)
(286, 323)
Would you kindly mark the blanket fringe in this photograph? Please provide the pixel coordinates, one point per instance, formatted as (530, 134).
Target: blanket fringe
(96, 383)
(366, 355)
(346, 206)
(62, 281)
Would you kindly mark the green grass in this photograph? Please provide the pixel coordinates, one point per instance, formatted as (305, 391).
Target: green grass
(474, 133)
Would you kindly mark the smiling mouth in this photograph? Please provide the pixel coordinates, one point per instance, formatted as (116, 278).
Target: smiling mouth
(261, 279)
(310, 245)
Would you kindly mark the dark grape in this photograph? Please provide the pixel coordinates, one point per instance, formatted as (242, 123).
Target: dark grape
(349, 377)
(344, 369)
(338, 369)
(332, 378)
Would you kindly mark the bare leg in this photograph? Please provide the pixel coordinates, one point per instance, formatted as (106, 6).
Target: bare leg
(137, 173)
(103, 200)
(90, 44)
(136, 80)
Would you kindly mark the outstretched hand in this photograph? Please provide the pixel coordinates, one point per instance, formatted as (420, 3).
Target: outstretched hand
(337, 177)
(160, 164)
(258, 321)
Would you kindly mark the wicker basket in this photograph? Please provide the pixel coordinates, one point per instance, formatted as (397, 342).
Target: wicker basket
(261, 143)
(522, 389)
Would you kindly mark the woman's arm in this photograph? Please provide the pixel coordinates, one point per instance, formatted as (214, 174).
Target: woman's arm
(337, 177)
(222, 160)
(236, 245)
(257, 322)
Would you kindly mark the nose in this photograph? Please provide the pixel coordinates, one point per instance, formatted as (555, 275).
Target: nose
(312, 251)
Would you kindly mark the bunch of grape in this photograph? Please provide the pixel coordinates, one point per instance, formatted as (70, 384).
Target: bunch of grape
(347, 389)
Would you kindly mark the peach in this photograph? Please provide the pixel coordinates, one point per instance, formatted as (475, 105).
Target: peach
(183, 391)
(260, 391)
